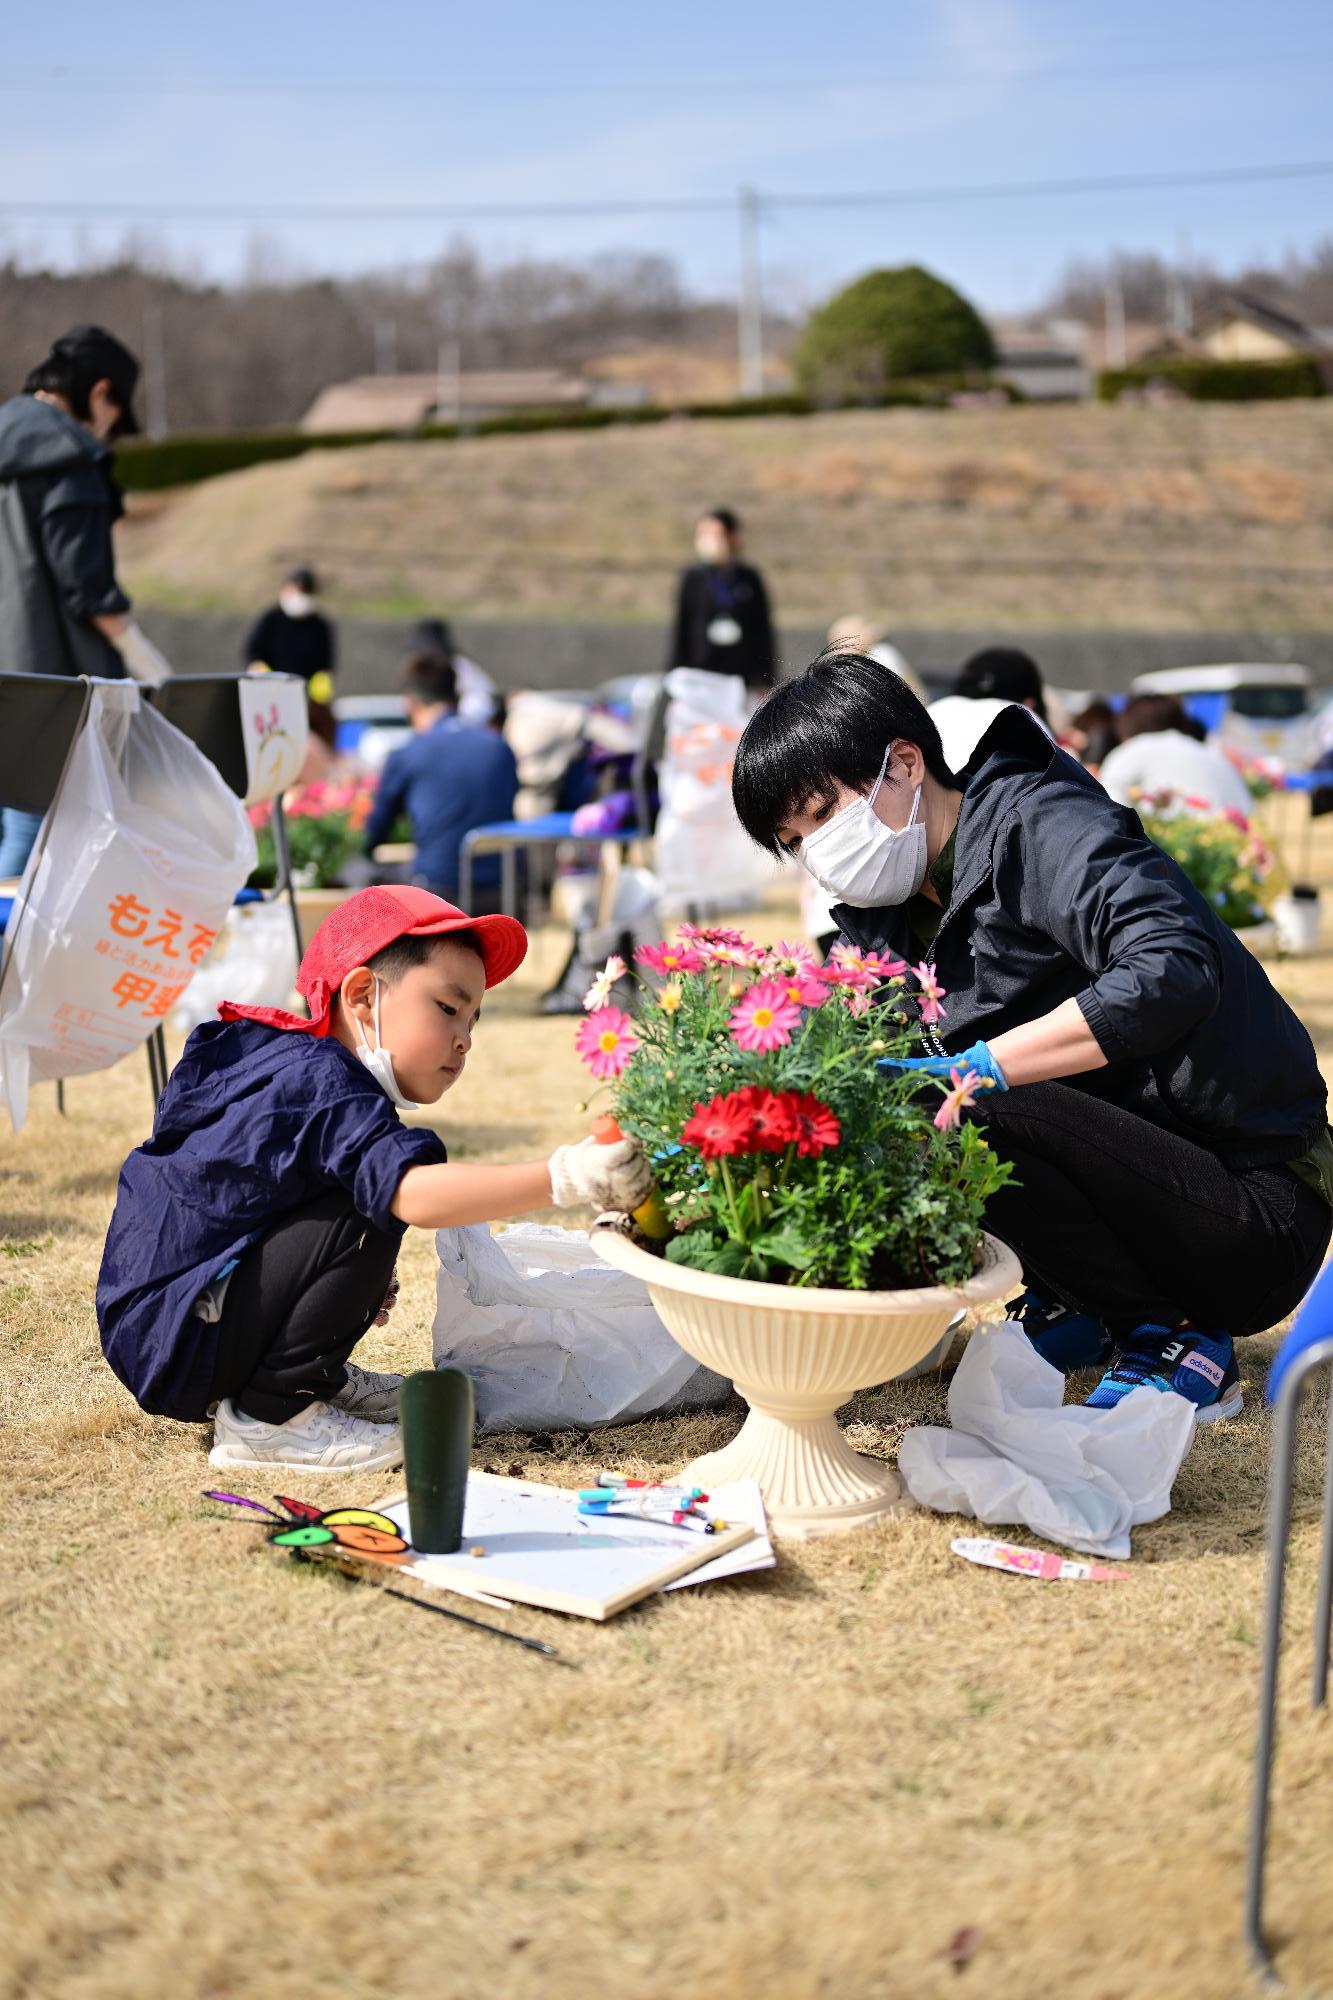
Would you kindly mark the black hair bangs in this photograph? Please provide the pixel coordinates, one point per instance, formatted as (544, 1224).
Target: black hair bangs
(830, 726)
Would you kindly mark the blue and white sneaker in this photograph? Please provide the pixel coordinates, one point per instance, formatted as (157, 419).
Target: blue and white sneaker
(1198, 1366)
(1066, 1338)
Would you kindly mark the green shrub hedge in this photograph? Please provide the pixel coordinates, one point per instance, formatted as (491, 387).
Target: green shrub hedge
(1218, 381)
(890, 325)
(147, 465)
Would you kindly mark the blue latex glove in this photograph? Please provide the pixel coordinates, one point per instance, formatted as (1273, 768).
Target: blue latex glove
(977, 1058)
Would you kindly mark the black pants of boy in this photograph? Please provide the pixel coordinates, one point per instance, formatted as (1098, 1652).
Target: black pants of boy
(298, 1302)
(1130, 1223)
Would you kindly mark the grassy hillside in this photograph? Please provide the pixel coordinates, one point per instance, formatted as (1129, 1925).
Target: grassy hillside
(1188, 517)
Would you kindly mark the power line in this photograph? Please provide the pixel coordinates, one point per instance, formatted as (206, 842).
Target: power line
(230, 212)
(256, 83)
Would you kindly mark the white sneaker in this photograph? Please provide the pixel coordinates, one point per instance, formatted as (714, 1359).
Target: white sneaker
(320, 1439)
(366, 1393)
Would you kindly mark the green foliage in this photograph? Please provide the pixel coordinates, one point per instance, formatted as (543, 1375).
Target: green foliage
(1225, 859)
(887, 325)
(894, 1202)
(1217, 381)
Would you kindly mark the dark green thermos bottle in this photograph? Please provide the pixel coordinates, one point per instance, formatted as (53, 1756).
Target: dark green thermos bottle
(438, 1418)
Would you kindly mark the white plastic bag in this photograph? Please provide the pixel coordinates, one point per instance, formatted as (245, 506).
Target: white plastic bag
(554, 1339)
(704, 857)
(253, 963)
(122, 897)
(1018, 1452)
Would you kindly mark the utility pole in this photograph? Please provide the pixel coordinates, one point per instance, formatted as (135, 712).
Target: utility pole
(448, 383)
(155, 371)
(1115, 323)
(750, 313)
(1181, 304)
(386, 347)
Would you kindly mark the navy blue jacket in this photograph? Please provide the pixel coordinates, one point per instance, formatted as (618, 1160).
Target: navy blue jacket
(448, 779)
(1058, 894)
(254, 1121)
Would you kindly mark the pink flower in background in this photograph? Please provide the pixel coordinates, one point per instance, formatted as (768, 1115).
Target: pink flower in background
(599, 992)
(966, 1084)
(790, 955)
(765, 1018)
(847, 966)
(607, 1042)
(668, 959)
(700, 934)
(1236, 818)
(803, 986)
(930, 994)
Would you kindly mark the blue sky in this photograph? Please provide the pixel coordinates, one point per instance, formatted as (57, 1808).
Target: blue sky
(290, 102)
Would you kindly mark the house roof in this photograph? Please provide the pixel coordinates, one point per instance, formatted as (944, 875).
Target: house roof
(400, 402)
(1258, 312)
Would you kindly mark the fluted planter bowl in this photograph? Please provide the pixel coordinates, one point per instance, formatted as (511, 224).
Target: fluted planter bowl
(796, 1356)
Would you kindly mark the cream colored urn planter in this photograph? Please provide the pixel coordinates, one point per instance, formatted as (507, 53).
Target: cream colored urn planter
(796, 1356)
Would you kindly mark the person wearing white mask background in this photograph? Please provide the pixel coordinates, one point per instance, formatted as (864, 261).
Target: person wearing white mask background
(723, 622)
(1158, 1099)
(294, 637)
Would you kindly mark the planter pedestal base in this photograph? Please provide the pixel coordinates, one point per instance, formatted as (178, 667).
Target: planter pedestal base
(812, 1481)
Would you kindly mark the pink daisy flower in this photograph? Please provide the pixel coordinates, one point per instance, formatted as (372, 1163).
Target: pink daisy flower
(607, 1042)
(765, 1018)
(790, 955)
(667, 959)
(806, 989)
(855, 968)
(929, 993)
(701, 934)
(966, 1084)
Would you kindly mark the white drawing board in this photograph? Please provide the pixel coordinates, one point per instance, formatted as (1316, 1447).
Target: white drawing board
(540, 1550)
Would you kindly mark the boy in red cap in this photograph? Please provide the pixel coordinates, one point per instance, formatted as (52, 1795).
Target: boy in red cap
(255, 1234)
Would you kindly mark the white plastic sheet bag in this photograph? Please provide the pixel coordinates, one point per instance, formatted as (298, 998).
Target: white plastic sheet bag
(554, 1339)
(1016, 1452)
(704, 857)
(122, 897)
(253, 963)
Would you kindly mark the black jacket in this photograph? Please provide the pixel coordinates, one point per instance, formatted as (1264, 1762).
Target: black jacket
(1058, 894)
(709, 592)
(301, 646)
(57, 566)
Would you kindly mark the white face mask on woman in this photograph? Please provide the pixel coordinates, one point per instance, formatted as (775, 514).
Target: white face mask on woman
(378, 1060)
(856, 859)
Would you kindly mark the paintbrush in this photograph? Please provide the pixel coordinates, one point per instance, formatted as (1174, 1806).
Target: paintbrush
(365, 1572)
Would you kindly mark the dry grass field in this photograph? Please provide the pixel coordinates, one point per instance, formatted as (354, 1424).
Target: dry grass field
(1193, 517)
(873, 1772)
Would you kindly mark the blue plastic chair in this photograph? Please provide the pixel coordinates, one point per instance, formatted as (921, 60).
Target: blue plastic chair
(1306, 1349)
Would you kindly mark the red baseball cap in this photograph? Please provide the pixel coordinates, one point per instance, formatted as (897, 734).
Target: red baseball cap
(352, 934)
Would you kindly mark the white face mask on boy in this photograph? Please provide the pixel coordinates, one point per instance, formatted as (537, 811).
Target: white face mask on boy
(378, 1060)
(856, 859)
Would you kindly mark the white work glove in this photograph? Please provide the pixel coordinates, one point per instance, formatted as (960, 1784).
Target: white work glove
(603, 1177)
(142, 659)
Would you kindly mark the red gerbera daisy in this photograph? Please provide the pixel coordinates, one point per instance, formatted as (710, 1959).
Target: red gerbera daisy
(721, 1128)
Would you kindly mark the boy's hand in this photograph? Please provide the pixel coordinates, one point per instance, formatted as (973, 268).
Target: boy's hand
(617, 1176)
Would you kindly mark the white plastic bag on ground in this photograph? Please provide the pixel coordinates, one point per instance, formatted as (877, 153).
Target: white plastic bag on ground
(122, 897)
(253, 962)
(1018, 1453)
(554, 1339)
(704, 858)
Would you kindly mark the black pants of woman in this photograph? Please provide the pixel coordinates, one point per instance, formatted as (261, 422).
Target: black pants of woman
(1120, 1219)
(298, 1302)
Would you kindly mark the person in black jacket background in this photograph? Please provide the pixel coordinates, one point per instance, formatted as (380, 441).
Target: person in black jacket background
(723, 623)
(293, 636)
(1159, 1100)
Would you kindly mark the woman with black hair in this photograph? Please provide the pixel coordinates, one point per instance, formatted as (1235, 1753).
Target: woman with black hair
(1159, 1100)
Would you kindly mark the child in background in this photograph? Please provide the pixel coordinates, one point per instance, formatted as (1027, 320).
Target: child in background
(255, 1234)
